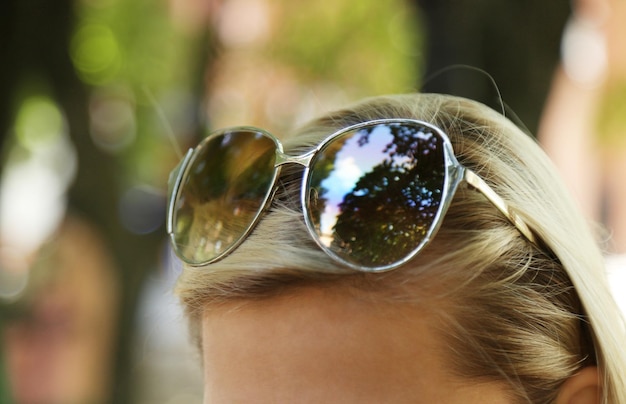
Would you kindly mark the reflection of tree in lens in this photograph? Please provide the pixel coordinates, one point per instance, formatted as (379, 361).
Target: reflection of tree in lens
(225, 187)
(324, 165)
(391, 208)
(203, 181)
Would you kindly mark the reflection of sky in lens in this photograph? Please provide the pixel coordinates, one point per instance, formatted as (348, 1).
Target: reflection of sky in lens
(351, 163)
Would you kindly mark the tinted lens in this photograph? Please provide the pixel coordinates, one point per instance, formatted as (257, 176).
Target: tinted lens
(226, 185)
(375, 192)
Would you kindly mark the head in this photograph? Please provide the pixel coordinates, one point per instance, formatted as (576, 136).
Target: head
(480, 306)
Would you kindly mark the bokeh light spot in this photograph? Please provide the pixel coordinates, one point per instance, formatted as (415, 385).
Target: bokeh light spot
(96, 53)
(112, 119)
(142, 209)
(39, 122)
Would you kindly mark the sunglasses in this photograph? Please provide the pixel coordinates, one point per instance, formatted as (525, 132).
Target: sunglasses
(373, 194)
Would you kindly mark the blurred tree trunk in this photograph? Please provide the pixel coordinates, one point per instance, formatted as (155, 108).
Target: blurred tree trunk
(515, 41)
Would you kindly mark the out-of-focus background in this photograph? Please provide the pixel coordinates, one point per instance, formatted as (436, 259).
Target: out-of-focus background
(96, 96)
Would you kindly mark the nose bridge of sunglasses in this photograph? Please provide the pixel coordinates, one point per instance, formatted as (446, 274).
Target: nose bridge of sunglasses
(302, 159)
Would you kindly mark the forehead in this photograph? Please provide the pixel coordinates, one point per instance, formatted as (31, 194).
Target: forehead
(320, 346)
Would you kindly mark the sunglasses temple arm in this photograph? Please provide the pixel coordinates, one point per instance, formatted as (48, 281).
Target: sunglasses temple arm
(479, 184)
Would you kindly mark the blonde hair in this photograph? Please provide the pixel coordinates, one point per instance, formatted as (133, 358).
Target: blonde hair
(512, 312)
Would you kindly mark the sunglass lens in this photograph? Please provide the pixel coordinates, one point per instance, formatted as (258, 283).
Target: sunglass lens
(224, 190)
(374, 193)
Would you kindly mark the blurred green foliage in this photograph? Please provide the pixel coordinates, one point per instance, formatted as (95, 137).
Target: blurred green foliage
(130, 51)
(368, 47)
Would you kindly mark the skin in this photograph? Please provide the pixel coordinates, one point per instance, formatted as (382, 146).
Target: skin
(320, 345)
